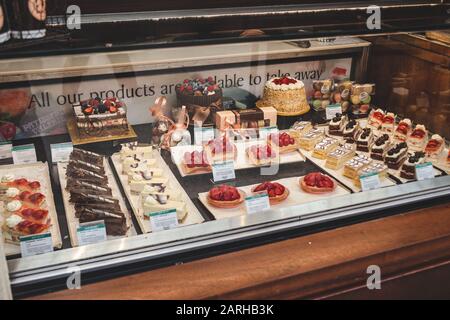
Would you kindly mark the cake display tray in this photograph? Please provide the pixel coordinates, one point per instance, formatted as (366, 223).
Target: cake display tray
(77, 140)
(35, 171)
(72, 221)
(193, 216)
(297, 196)
(241, 161)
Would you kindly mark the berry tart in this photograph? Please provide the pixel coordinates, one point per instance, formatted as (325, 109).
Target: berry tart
(276, 191)
(221, 149)
(376, 119)
(225, 196)
(262, 154)
(418, 138)
(435, 146)
(403, 130)
(196, 161)
(283, 141)
(388, 122)
(317, 182)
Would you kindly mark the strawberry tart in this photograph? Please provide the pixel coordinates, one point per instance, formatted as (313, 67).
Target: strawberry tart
(196, 161)
(276, 191)
(225, 196)
(221, 149)
(317, 182)
(261, 154)
(283, 141)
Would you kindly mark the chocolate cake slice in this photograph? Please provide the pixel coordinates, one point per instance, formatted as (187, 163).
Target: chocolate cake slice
(115, 222)
(336, 125)
(409, 167)
(86, 175)
(88, 187)
(87, 156)
(98, 169)
(396, 156)
(350, 131)
(379, 147)
(364, 140)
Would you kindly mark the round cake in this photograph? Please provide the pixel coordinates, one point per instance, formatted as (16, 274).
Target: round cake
(285, 94)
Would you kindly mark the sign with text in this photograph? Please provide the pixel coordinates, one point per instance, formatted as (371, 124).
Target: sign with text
(24, 154)
(370, 181)
(257, 203)
(61, 151)
(223, 171)
(163, 220)
(91, 232)
(36, 244)
(333, 109)
(424, 171)
(5, 150)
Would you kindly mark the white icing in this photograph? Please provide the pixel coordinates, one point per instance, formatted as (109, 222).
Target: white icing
(421, 127)
(14, 206)
(8, 178)
(149, 189)
(138, 177)
(436, 137)
(149, 200)
(13, 221)
(407, 121)
(298, 85)
(12, 192)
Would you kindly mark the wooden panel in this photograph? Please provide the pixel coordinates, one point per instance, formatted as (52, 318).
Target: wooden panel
(311, 266)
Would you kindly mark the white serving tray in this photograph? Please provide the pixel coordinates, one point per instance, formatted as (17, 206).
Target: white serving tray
(297, 196)
(193, 216)
(35, 171)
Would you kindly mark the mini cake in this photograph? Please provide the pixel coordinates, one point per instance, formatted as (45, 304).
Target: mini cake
(409, 167)
(310, 139)
(418, 138)
(337, 124)
(220, 149)
(364, 140)
(276, 191)
(337, 157)
(202, 98)
(403, 130)
(378, 168)
(350, 131)
(324, 147)
(283, 141)
(225, 196)
(101, 117)
(388, 122)
(285, 94)
(195, 161)
(301, 127)
(435, 146)
(380, 146)
(375, 119)
(262, 154)
(396, 155)
(317, 182)
(354, 165)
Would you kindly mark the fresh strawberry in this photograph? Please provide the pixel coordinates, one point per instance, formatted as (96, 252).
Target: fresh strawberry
(7, 130)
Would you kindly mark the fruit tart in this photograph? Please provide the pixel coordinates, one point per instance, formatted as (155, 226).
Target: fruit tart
(403, 130)
(276, 191)
(225, 196)
(317, 183)
(221, 149)
(262, 154)
(375, 119)
(284, 141)
(388, 122)
(418, 138)
(435, 146)
(196, 161)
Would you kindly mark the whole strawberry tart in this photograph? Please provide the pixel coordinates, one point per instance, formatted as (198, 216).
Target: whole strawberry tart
(316, 182)
(276, 191)
(225, 196)
(286, 94)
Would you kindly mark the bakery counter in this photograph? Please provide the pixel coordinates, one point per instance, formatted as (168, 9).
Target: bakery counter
(411, 249)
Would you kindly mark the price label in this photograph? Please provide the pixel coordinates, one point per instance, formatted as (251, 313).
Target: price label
(333, 109)
(5, 150)
(24, 154)
(265, 131)
(202, 135)
(163, 220)
(370, 181)
(36, 244)
(257, 203)
(223, 171)
(91, 232)
(424, 171)
(61, 151)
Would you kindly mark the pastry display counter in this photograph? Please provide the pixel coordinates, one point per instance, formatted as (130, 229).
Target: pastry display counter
(160, 155)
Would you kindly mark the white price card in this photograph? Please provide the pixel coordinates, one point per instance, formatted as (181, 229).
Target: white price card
(257, 203)
(163, 220)
(203, 134)
(24, 154)
(223, 171)
(61, 151)
(91, 232)
(333, 109)
(265, 131)
(36, 244)
(5, 150)
(424, 171)
(370, 181)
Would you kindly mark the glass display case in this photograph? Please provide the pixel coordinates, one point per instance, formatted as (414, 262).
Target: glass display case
(155, 136)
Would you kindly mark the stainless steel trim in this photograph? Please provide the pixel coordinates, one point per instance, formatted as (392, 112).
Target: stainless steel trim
(151, 246)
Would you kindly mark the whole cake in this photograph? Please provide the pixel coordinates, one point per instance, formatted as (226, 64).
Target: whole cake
(101, 117)
(202, 98)
(285, 94)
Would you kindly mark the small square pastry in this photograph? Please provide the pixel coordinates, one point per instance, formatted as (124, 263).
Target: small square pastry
(403, 130)
(418, 138)
(337, 124)
(396, 155)
(310, 139)
(339, 156)
(379, 147)
(350, 131)
(388, 123)
(324, 147)
(364, 140)
(409, 166)
(354, 165)
(301, 127)
(221, 149)
(435, 146)
(375, 119)
(375, 167)
(262, 154)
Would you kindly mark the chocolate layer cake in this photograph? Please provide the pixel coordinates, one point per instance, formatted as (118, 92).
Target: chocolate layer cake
(350, 130)
(364, 140)
(396, 156)
(409, 167)
(379, 148)
(336, 125)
